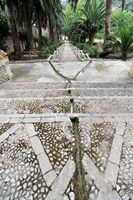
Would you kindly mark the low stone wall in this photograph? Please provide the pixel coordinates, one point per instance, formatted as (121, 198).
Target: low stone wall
(5, 72)
(130, 73)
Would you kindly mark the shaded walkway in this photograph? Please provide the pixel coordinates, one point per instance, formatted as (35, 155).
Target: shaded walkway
(67, 54)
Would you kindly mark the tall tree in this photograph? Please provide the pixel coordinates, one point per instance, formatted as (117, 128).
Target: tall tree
(94, 13)
(14, 31)
(123, 4)
(28, 13)
(107, 23)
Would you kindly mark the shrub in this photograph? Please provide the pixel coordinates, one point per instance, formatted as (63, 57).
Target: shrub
(122, 41)
(44, 40)
(93, 51)
(119, 18)
(46, 51)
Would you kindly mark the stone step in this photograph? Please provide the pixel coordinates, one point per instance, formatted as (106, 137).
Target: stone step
(33, 93)
(103, 92)
(64, 117)
(63, 84)
(75, 92)
(32, 85)
(89, 105)
(115, 84)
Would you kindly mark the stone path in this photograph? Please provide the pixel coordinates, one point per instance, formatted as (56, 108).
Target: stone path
(67, 140)
(67, 54)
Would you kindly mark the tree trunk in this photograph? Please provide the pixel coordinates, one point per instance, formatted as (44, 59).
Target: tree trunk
(107, 23)
(91, 37)
(51, 33)
(14, 32)
(124, 55)
(123, 4)
(28, 8)
(39, 28)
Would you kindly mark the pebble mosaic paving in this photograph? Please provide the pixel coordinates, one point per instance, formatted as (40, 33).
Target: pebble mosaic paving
(21, 176)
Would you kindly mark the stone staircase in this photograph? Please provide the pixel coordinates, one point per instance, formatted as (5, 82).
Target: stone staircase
(86, 97)
(45, 126)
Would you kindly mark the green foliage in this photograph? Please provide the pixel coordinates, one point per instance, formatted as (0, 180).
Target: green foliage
(44, 40)
(71, 22)
(122, 41)
(86, 21)
(91, 50)
(46, 51)
(100, 34)
(119, 18)
(4, 30)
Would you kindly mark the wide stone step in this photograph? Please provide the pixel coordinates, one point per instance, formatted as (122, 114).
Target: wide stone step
(115, 84)
(64, 84)
(34, 105)
(101, 92)
(99, 105)
(32, 85)
(33, 93)
(102, 105)
(89, 92)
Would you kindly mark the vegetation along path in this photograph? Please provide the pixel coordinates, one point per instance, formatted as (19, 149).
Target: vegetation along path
(66, 130)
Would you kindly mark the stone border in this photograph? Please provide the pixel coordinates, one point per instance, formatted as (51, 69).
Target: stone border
(49, 174)
(9, 132)
(60, 185)
(105, 187)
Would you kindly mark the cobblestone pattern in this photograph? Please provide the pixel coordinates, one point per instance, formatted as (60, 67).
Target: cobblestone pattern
(20, 174)
(104, 105)
(125, 177)
(4, 127)
(53, 137)
(99, 137)
(34, 106)
(91, 187)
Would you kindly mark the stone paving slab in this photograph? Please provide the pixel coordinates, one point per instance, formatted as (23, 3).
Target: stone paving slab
(32, 72)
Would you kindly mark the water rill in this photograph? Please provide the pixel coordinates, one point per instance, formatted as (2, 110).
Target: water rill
(79, 182)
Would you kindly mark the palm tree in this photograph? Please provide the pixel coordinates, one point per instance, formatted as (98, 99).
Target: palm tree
(122, 41)
(94, 13)
(107, 23)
